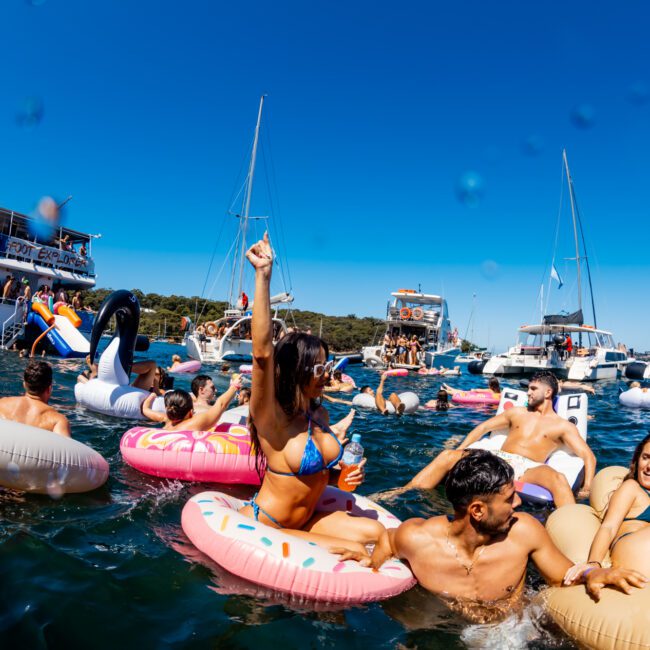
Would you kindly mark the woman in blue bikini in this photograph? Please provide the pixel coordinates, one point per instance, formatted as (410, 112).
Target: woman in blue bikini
(290, 430)
(625, 530)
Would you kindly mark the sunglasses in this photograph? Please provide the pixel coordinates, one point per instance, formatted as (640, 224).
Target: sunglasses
(321, 368)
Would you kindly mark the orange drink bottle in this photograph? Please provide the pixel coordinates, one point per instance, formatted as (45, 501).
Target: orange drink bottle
(352, 456)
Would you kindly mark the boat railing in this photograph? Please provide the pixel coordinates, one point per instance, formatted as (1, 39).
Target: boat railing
(13, 326)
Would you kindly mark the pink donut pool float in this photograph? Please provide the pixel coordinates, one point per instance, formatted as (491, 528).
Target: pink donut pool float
(475, 397)
(269, 557)
(346, 379)
(187, 367)
(220, 456)
(396, 372)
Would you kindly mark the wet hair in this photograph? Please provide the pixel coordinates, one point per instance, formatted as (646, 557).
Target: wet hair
(478, 474)
(442, 400)
(199, 382)
(245, 391)
(548, 378)
(364, 389)
(37, 377)
(337, 375)
(634, 465)
(294, 357)
(494, 385)
(176, 358)
(178, 403)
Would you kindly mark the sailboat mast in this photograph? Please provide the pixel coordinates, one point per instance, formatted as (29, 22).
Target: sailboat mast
(575, 224)
(247, 201)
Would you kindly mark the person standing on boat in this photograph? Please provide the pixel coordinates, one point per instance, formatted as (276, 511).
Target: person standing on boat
(290, 430)
(244, 301)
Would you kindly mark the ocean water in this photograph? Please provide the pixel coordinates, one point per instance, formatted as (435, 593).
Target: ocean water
(113, 568)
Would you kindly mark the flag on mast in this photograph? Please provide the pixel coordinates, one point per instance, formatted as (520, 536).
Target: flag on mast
(556, 276)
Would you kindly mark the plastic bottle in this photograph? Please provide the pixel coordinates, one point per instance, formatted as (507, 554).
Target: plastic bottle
(352, 456)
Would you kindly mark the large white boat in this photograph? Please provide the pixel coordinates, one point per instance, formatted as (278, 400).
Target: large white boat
(562, 343)
(424, 315)
(37, 254)
(229, 337)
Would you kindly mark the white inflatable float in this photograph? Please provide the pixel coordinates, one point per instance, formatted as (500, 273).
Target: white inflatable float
(39, 461)
(618, 621)
(638, 398)
(410, 400)
(572, 407)
(110, 393)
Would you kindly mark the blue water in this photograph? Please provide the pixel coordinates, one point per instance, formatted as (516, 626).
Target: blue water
(113, 568)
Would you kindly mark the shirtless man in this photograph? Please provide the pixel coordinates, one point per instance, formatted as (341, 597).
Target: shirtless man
(535, 432)
(384, 406)
(32, 407)
(204, 393)
(476, 562)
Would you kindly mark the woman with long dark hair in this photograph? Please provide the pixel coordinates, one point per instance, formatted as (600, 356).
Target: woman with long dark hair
(290, 429)
(625, 530)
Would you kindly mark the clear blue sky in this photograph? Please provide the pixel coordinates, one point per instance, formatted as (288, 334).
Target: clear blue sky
(375, 111)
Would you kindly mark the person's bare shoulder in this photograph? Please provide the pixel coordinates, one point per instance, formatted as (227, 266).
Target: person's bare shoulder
(526, 531)
(414, 534)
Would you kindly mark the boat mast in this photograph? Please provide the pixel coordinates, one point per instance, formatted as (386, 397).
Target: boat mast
(577, 222)
(247, 203)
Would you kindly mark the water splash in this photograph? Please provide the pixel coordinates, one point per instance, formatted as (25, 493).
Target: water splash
(583, 116)
(470, 189)
(30, 113)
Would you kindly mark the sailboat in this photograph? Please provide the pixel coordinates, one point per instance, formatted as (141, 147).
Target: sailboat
(229, 337)
(477, 353)
(563, 343)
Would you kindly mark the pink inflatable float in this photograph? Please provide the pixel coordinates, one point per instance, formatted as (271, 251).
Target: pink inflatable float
(187, 367)
(220, 456)
(396, 372)
(475, 397)
(271, 558)
(346, 379)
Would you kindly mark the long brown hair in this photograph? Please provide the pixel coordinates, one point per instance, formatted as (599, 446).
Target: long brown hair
(634, 465)
(294, 358)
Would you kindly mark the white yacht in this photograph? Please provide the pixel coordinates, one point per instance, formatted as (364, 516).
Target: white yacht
(229, 337)
(424, 315)
(35, 255)
(562, 343)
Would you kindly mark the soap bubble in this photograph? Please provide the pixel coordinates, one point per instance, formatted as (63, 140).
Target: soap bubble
(490, 269)
(638, 93)
(583, 116)
(533, 145)
(30, 113)
(470, 189)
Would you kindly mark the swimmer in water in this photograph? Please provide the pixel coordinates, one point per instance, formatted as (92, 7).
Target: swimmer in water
(476, 561)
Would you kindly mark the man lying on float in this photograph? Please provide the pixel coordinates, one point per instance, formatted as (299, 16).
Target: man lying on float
(534, 433)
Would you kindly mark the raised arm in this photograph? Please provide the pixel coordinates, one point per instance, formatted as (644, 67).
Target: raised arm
(208, 419)
(155, 416)
(380, 402)
(262, 402)
(501, 421)
(573, 440)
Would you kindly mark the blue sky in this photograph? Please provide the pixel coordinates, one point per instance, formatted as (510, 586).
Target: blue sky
(376, 111)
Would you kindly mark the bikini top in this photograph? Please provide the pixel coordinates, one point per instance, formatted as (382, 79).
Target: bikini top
(644, 516)
(312, 460)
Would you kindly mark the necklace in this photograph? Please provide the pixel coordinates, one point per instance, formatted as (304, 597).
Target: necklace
(467, 567)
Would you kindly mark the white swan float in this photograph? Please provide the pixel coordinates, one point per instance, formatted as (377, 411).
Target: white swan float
(110, 393)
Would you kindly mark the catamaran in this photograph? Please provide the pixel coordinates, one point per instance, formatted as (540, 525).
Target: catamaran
(425, 316)
(563, 343)
(229, 337)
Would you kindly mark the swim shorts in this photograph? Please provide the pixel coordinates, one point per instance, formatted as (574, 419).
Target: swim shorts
(520, 464)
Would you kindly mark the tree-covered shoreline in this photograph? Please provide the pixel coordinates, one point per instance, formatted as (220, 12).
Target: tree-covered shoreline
(342, 333)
